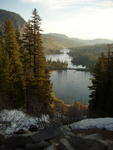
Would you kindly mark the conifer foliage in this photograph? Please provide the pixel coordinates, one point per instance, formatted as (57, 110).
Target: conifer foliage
(38, 87)
(101, 103)
(12, 70)
(24, 76)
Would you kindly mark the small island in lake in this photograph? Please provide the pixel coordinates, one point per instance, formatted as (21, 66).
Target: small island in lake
(57, 65)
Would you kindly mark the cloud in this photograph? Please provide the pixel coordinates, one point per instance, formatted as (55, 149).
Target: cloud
(59, 4)
(31, 1)
(78, 18)
(68, 4)
(104, 4)
(89, 23)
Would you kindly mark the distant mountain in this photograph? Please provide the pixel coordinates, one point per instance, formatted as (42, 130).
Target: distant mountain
(87, 55)
(58, 41)
(14, 17)
(51, 41)
(58, 35)
(93, 42)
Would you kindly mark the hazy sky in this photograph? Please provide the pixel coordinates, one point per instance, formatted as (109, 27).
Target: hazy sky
(85, 19)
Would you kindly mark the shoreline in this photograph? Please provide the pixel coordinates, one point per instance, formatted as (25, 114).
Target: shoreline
(77, 69)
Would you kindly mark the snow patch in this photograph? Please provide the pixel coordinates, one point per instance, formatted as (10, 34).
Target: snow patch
(101, 123)
(19, 120)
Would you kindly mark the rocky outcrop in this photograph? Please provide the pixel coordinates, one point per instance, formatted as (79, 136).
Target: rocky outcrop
(55, 138)
(18, 21)
(33, 128)
(110, 147)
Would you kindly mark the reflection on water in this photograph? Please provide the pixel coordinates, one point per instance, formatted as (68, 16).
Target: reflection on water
(71, 85)
(63, 57)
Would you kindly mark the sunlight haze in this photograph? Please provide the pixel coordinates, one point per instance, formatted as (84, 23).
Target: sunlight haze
(86, 19)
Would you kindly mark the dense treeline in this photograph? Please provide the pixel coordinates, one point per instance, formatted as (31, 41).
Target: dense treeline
(24, 77)
(86, 55)
(101, 97)
(52, 65)
(11, 71)
(53, 42)
(66, 114)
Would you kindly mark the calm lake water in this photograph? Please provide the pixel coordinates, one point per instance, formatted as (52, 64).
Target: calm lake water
(70, 85)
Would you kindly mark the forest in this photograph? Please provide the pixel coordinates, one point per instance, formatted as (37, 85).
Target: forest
(25, 77)
(57, 65)
(87, 55)
(101, 97)
(56, 75)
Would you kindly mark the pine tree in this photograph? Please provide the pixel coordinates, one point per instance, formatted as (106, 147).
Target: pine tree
(1, 58)
(3, 66)
(13, 70)
(27, 51)
(101, 102)
(108, 96)
(38, 85)
(97, 87)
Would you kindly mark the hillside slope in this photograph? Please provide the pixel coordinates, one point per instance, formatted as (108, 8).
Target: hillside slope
(59, 41)
(93, 41)
(51, 41)
(14, 17)
(56, 41)
(87, 55)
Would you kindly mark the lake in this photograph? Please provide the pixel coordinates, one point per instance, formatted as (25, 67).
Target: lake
(70, 85)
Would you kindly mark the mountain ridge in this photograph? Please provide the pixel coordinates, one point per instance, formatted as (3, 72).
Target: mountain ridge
(51, 41)
(83, 41)
(57, 41)
(6, 15)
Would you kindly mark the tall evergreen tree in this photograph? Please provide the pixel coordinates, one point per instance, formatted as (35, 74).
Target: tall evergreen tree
(1, 58)
(27, 51)
(101, 102)
(38, 85)
(12, 53)
(3, 66)
(13, 70)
